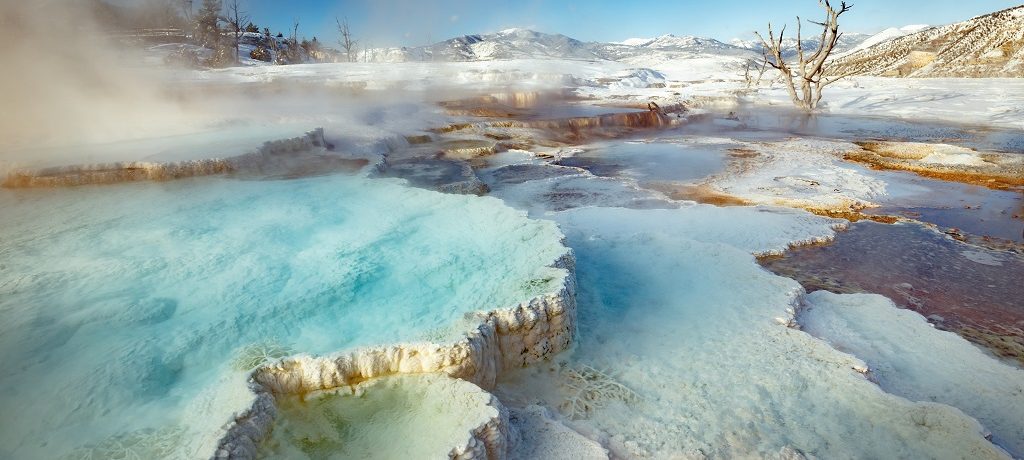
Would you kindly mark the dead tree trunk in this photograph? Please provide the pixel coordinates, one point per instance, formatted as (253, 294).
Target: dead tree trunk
(236, 18)
(346, 41)
(810, 74)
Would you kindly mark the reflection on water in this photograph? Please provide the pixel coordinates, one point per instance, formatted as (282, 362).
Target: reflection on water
(649, 162)
(963, 288)
(971, 209)
(890, 129)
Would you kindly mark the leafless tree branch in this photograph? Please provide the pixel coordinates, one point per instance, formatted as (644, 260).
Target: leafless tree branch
(810, 70)
(346, 41)
(236, 19)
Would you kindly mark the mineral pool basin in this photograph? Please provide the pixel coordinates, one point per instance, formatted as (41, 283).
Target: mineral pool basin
(404, 416)
(130, 315)
(650, 161)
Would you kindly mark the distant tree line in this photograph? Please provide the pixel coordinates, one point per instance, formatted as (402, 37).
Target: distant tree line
(222, 28)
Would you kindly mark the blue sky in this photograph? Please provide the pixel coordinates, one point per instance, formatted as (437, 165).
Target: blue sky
(412, 23)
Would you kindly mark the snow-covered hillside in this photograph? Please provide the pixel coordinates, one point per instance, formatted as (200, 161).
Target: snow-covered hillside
(888, 34)
(986, 46)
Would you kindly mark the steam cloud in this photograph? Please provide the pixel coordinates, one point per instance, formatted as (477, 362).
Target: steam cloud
(65, 81)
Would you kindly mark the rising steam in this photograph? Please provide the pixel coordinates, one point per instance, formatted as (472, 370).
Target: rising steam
(65, 81)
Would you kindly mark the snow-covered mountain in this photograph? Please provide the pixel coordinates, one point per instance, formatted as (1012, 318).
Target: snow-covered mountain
(848, 41)
(506, 44)
(667, 47)
(520, 43)
(986, 46)
(510, 44)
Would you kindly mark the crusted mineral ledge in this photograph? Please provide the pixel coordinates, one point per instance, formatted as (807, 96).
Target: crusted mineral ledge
(501, 339)
(111, 173)
(942, 161)
(285, 156)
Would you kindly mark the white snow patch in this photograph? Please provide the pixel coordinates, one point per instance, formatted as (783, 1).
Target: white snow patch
(639, 78)
(636, 41)
(910, 358)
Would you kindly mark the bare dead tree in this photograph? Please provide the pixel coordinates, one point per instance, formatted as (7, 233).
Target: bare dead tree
(346, 41)
(751, 67)
(236, 19)
(293, 43)
(810, 71)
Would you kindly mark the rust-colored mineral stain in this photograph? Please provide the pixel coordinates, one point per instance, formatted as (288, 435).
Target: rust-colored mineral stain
(906, 156)
(467, 148)
(740, 152)
(699, 193)
(645, 119)
(962, 288)
(485, 112)
(854, 215)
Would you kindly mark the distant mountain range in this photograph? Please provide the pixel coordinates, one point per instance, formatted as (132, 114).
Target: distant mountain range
(986, 46)
(524, 43)
(847, 41)
(508, 44)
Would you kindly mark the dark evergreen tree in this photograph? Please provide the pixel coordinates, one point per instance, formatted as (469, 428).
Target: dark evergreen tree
(208, 19)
